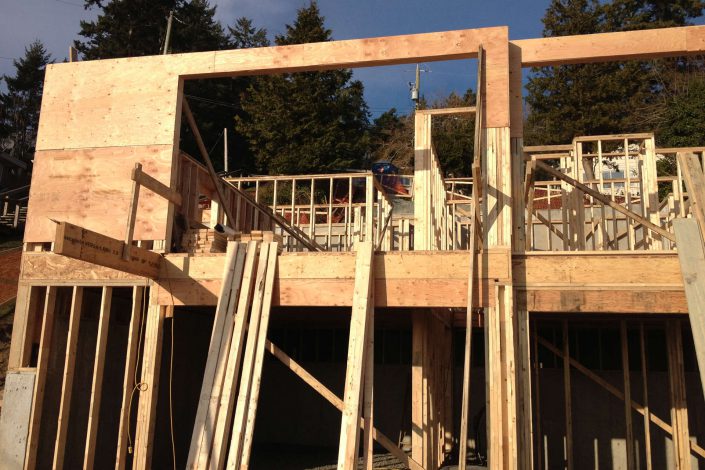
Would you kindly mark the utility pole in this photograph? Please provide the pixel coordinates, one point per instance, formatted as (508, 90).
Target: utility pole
(168, 32)
(415, 87)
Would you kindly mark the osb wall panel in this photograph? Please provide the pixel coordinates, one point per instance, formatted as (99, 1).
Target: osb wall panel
(92, 188)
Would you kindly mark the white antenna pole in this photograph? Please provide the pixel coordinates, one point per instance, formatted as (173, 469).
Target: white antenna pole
(225, 150)
(168, 32)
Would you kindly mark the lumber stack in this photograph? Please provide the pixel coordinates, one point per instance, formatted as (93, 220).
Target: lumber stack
(224, 424)
(258, 236)
(203, 241)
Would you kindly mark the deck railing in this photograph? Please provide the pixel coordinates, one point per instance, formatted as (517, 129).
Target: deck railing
(628, 199)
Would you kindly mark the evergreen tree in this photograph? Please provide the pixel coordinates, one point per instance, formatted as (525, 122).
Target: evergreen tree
(454, 136)
(572, 100)
(683, 119)
(243, 35)
(128, 28)
(309, 121)
(392, 140)
(20, 106)
(392, 137)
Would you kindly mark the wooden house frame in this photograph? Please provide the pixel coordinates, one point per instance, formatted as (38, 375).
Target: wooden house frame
(100, 118)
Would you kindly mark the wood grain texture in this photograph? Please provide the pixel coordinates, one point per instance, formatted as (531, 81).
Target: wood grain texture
(79, 243)
(666, 42)
(692, 259)
(92, 188)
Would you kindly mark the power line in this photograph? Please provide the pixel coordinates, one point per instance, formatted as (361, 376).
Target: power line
(70, 3)
(212, 101)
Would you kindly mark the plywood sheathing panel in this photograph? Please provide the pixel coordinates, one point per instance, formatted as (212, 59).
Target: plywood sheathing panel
(92, 187)
(53, 269)
(96, 111)
(108, 103)
(496, 84)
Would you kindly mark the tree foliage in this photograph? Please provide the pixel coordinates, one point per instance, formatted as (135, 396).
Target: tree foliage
(306, 122)
(128, 28)
(571, 100)
(392, 136)
(454, 136)
(683, 120)
(20, 106)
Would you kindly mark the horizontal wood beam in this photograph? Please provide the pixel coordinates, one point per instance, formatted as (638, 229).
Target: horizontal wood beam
(85, 245)
(156, 186)
(445, 111)
(605, 47)
(602, 301)
(545, 281)
(368, 52)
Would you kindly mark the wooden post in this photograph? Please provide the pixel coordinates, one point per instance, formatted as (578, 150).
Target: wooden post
(679, 405)
(27, 304)
(132, 212)
(568, 398)
(369, 209)
(98, 368)
(627, 395)
(368, 390)
(522, 189)
(537, 396)
(422, 180)
(417, 389)
(645, 388)
(129, 381)
(67, 383)
(467, 368)
(363, 305)
(40, 381)
(149, 391)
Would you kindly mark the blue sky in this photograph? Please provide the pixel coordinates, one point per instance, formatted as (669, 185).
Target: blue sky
(56, 23)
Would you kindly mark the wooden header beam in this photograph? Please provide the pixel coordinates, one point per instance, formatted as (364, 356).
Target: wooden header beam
(82, 244)
(546, 281)
(368, 52)
(445, 111)
(606, 47)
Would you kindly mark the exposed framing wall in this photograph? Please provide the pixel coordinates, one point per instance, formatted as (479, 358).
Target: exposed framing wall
(140, 115)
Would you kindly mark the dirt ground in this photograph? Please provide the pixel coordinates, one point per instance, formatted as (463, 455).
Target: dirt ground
(6, 317)
(9, 274)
